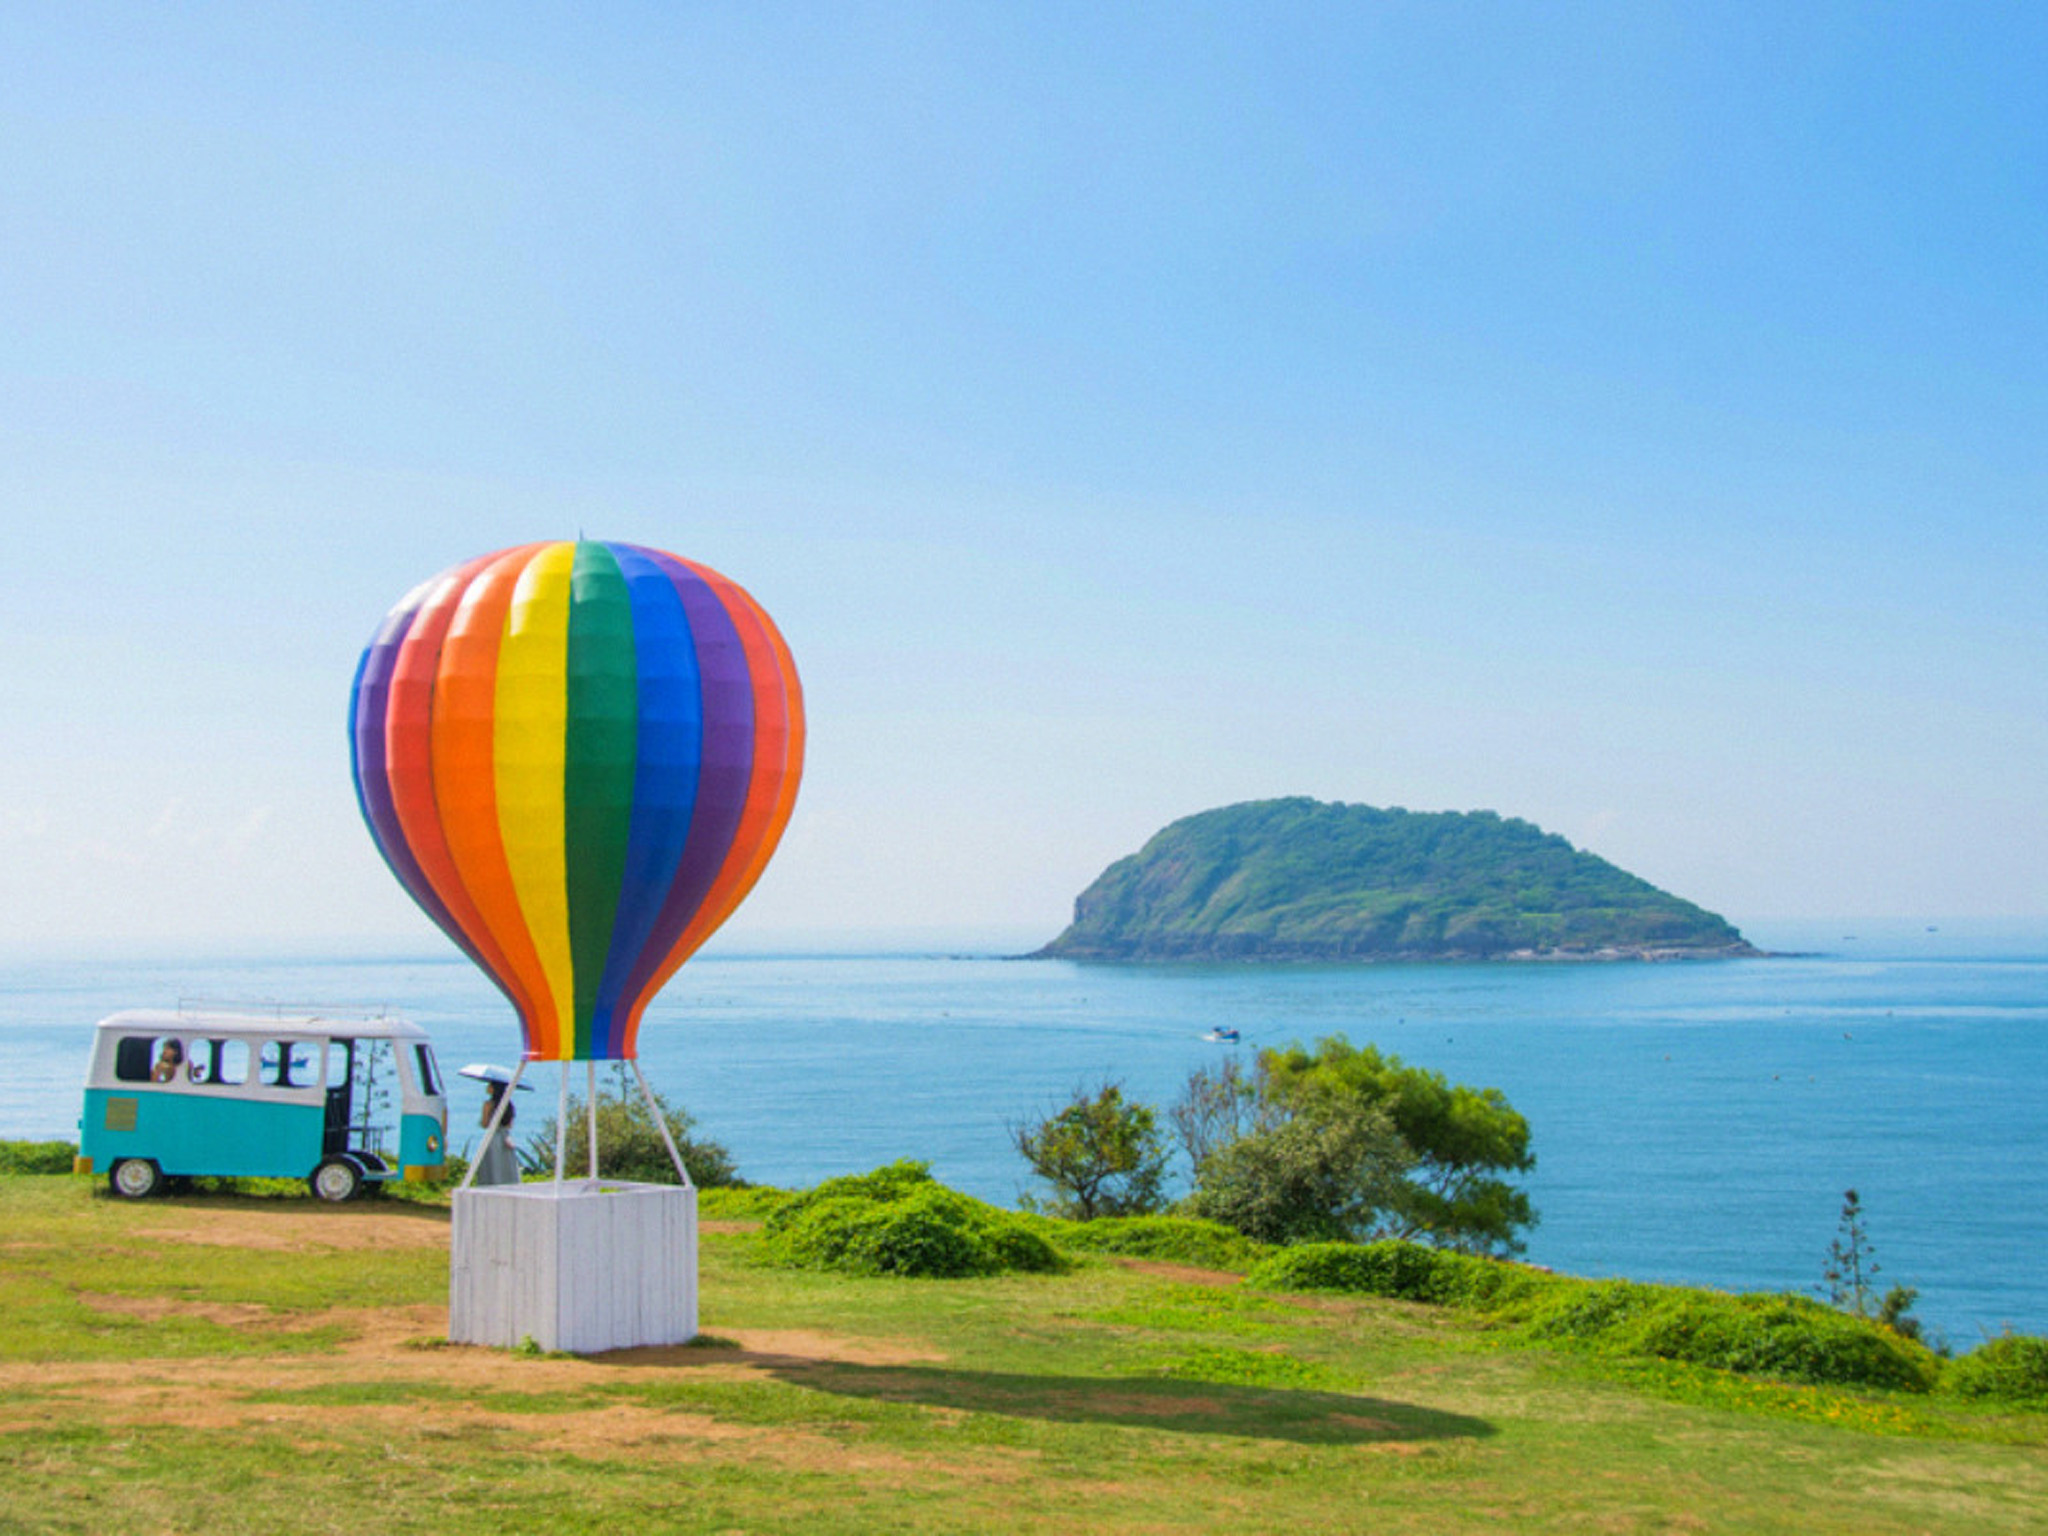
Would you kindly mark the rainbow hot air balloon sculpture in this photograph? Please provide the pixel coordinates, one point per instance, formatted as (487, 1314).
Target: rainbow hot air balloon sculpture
(577, 758)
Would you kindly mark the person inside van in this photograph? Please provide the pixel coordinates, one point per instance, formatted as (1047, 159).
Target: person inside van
(168, 1060)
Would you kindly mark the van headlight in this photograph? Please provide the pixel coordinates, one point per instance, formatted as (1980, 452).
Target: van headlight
(433, 1143)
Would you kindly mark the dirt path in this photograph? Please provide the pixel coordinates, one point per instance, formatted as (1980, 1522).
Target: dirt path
(298, 1226)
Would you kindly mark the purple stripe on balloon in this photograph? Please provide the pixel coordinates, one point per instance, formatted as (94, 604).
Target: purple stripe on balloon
(726, 765)
(367, 712)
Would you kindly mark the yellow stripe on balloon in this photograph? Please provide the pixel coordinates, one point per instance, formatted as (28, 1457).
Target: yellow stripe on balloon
(530, 748)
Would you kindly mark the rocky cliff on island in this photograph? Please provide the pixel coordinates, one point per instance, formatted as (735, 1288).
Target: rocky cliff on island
(1303, 880)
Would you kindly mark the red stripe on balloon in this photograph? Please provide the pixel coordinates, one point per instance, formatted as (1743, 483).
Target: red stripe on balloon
(409, 728)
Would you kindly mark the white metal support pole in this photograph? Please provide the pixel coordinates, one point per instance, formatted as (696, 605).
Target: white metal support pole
(561, 1123)
(661, 1124)
(497, 1119)
(593, 1116)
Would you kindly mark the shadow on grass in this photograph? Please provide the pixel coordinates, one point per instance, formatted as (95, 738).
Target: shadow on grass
(1189, 1407)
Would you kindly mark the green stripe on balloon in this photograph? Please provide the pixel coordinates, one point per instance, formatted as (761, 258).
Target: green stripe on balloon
(603, 737)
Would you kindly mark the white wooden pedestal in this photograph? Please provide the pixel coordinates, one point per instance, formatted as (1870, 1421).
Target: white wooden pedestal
(583, 1265)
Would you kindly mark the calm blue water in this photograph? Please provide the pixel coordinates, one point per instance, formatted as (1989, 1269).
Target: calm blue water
(1692, 1122)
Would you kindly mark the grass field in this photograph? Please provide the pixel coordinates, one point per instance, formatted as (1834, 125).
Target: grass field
(226, 1364)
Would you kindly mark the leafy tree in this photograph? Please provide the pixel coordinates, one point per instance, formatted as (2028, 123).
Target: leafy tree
(1462, 1141)
(1101, 1153)
(1377, 1148)
(629, 1144)
(1218, 1106)
(1325, 1173)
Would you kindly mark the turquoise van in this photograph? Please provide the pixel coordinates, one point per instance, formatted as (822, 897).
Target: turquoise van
(345, 1104)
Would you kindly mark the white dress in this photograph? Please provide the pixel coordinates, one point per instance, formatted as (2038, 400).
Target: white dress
(496, 1164)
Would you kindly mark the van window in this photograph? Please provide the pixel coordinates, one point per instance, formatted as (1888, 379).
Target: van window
(219, 1061)
(373, 1093)
(133, 1057)
(430, 1081)
(286, 1064)
(170, 1061)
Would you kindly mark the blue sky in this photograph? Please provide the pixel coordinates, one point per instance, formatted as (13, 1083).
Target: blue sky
(1628, 418)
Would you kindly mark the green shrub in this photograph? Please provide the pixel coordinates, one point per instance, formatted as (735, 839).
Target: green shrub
(1587, 1310)
(1784, 1337)
(1407, 1271)
(1787, 1338)
(2012, 1368)
(739, 1202)
(1371, 1269)
(892, 1181)
(898, 1220)
(37, 1156)
(1177, 1239)
(1017, 1247)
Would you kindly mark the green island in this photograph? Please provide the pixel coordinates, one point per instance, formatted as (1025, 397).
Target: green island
(1304, 880)
(258, 1361)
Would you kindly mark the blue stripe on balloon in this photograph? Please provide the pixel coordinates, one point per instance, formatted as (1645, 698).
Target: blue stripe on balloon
(670, 753)
(726, 763)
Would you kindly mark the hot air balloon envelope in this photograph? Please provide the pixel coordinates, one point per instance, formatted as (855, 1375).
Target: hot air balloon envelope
(577, 758)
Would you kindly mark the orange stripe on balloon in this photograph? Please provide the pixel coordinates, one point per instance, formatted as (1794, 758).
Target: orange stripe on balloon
(409, 752)
(771, 785)
(465, 782)
(793, 769)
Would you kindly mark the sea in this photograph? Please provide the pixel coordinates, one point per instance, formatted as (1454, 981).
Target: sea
(1693, 1122)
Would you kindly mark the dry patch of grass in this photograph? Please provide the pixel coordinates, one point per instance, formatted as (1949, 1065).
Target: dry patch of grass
(783, 1347)
(1182, 1274)
(275, 1226)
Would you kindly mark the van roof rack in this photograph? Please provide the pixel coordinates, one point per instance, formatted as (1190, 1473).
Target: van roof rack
(273, 1009)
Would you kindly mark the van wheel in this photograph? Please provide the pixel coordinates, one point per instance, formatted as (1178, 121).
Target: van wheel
(135, 1178)
(336, 1180)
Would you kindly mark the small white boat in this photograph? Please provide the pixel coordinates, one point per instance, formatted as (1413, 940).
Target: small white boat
(1223, 1034)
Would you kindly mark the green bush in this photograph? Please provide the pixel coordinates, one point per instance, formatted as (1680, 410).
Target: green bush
(1784, 1337)
(1587, 1310)
(2012, 1368)
(1176, 1239)
(898, 1220)
(1787, 1338)
(37, 1156)
(739, 1202)
(1406, 1271)
(892, 1181)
